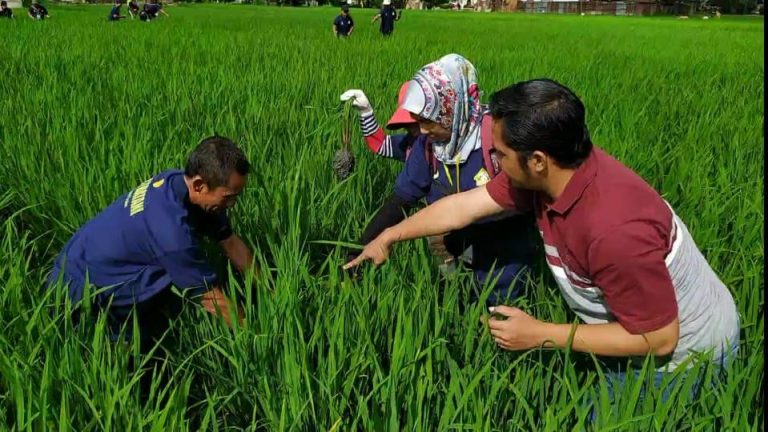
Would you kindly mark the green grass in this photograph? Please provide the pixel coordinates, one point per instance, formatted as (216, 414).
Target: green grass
(90, 109)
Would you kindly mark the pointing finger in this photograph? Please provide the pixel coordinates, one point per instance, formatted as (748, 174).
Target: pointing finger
(355, 262)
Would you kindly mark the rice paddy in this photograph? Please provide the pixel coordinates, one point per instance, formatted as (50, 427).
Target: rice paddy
(89, 109)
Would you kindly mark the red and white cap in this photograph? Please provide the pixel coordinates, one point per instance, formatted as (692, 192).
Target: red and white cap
(401, 117)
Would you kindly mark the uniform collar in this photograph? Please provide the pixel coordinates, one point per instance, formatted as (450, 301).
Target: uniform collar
(179, 186)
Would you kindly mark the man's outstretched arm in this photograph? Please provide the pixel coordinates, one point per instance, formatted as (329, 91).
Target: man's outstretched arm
(445, 215)
(238, 253)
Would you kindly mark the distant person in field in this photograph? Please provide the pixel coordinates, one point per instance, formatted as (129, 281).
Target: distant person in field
(623, 260)
(5, 11)
(452, 154)
(37, 11)
(154, 9)
(114, 14)
(343, 25)
(388, 15)
(133, 9)
(150, 239)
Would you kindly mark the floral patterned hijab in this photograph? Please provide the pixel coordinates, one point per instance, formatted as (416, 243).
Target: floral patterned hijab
(446, 92)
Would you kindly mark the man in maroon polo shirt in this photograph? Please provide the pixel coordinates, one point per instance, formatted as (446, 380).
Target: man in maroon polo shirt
(624, 261)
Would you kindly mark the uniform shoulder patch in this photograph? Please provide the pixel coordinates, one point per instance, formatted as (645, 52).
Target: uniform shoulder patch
(158, 183)
(482, 177)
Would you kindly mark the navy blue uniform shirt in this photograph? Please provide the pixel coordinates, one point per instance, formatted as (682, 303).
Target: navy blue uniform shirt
(388, 15)
(504, 242)
(153, 9)
(343, 24)
(141, 244)
(38, 11)
(114, 14)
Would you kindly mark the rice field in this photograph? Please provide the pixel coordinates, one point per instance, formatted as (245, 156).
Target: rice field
(89, 109)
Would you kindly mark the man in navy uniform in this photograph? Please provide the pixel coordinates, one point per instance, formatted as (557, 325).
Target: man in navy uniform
(114, 14)
(5, 11)
(343, 24)
(37, 11)
(149, 239)
(388, 16)
(154, 9)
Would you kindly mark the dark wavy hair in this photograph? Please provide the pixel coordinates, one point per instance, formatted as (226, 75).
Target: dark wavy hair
(543, 115)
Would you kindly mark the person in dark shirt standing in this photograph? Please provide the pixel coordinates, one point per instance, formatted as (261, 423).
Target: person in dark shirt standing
(388, 15)
(5, 11)
(343, 24)
(38, 11)
(114, 14)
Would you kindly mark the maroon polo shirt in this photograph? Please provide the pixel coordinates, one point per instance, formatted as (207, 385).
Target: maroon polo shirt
(607, 238)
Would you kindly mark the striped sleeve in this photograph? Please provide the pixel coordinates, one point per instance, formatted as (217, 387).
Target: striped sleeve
(368, 124)
(372, 133)
(388, 146)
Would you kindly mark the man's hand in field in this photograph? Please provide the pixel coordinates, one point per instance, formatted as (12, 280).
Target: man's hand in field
(216, 303)
(376, 251)
(519, 331)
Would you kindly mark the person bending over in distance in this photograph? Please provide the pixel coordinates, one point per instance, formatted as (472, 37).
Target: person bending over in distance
(37, 11)
(133, 9)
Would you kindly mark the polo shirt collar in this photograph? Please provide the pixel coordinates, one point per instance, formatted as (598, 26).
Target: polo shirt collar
(576, 186)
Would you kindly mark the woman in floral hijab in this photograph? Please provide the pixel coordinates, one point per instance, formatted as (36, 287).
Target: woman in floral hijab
(445, 99)
(448, 157)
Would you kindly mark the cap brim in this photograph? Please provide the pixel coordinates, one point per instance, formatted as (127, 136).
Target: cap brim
(399, 119)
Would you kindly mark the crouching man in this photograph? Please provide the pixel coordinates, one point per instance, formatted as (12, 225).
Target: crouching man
(623, 259)
(150, 239)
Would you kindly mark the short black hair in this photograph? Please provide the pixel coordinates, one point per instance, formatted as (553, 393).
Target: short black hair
(215, 159)
(543, 115)
(344, 8)
(3, 3)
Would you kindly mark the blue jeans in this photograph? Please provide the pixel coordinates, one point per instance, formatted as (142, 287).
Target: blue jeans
(508, 289)
(616, 378)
